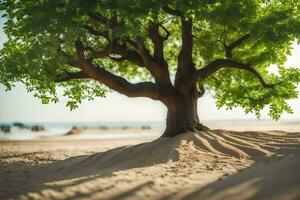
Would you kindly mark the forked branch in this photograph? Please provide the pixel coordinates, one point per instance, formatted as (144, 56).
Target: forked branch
(112, 81)
(233, 45)
(229, 63)
(157, 69)
(139, 54)
(97, 32)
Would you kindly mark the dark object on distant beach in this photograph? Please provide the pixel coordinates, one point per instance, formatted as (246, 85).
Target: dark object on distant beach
(19, 125)
(125, 127)
(5, 128)
(145, 127)
(37, 128)
(103, 127)
(74, 131)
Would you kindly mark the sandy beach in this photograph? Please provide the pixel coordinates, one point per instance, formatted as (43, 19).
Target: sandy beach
(198, 165)
(149, 100)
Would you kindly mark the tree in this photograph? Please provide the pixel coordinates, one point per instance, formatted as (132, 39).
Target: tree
(170, 51)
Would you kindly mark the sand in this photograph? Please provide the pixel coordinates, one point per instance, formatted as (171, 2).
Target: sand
(198, 165)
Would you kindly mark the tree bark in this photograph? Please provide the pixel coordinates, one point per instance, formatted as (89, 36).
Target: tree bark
(182, 115)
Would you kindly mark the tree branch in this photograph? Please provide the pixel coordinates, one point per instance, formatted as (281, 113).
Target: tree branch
(167, 32)
(142, 57)
(128, 54)
(101, 20)
(143, 51)
(185, 70)
(115, 48)
(235, 44)
(229, 63)
(158, 71)
(158, 41)
(97, 33)
(201, 92)
(109, 49)
(185, 55)
(121, 49)
(119, 84)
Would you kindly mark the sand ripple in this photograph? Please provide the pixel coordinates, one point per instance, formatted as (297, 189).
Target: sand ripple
(189, 166)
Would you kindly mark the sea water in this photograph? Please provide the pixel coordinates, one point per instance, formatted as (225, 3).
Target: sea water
(125, 130)
(61, 128)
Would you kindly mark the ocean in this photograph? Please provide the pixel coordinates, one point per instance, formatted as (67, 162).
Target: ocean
(61, 128)
(123, 130)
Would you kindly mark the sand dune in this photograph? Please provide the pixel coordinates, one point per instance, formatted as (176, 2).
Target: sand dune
(202, 165)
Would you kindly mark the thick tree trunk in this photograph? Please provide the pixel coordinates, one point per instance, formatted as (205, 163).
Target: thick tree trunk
(182, 116)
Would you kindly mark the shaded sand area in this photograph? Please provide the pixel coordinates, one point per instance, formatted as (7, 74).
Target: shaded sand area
(204, 165)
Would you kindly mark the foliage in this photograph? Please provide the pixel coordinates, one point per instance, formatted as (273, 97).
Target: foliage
(35, 30)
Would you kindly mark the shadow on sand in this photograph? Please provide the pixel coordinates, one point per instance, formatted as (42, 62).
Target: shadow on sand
(278, 179)
(76, 177)
(17, 180)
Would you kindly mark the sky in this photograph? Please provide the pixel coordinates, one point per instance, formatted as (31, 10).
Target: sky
(18, 105)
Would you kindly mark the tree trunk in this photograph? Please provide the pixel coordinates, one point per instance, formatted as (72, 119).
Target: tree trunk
(182, 116)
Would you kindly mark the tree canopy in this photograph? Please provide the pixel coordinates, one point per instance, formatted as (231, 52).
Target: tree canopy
(135, 47)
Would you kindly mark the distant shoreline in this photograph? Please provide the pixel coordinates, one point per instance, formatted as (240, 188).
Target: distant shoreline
(141, 122)
(132, 129)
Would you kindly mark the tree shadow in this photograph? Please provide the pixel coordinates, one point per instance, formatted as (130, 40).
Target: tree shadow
(131, 192)
(18, 180)
(278, 179)
(55, 178)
